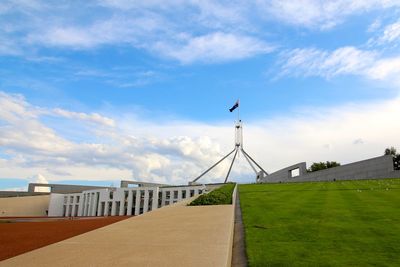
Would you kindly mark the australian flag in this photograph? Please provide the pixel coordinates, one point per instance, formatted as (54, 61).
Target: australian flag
(234, 106)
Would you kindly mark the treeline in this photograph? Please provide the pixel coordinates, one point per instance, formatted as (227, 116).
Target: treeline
(396, 157)
(317, 166)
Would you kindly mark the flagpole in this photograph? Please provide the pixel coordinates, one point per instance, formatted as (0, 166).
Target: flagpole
(239, 110)
(238, 150)
(239, 122)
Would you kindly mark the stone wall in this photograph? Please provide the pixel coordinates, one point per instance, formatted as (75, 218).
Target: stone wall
(374, 168)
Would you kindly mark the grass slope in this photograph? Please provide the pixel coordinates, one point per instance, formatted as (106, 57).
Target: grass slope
(219, 196)
(343, 223)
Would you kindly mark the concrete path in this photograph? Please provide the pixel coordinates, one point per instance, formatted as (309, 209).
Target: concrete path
(175, 235)
(239, 257)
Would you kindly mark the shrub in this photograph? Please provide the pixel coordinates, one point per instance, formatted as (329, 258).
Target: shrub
(317, 166)
(219, 196)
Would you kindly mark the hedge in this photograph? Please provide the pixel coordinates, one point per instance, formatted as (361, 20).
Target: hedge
(219, 196)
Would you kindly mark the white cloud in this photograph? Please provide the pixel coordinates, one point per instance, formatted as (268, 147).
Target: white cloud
(214, 47)
(385, 69)
(35, 146)
(319, 13)
(122, 77)
(38, 178)
(14, 107)
(358, 141)
(58, 172)
(390, 35)
(8, 47)
(221, 14)
(93, 117)
(114, 30)
(188, 31)
(342, 61)
(154, 34)
(129, 4)
(303, 137)
(315, 62)
(180, 150)
(374, 26)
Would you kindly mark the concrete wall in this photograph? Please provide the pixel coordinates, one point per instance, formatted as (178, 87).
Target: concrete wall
(62, 188)
(374, 168)
(24, 206)
(126, 183)
(21, 194)
(284, 174)
(56, 201)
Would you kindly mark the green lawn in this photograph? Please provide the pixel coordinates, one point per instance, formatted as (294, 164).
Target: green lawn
(343, 223)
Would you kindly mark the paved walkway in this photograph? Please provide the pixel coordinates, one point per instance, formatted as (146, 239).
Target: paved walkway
(176, 235)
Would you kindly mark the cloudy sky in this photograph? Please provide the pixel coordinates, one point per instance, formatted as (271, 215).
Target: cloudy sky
(98, 91)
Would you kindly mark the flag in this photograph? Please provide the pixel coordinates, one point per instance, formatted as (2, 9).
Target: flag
(234, 106)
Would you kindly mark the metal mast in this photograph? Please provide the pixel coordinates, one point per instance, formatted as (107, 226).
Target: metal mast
(238, 148)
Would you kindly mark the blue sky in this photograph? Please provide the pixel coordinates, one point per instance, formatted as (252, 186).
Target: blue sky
(117, 89)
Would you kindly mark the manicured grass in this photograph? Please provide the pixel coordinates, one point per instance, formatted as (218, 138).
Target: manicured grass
(343, 223)
(219, 196)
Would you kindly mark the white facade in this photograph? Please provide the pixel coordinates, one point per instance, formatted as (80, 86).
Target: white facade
(56, 201)
(119, 201)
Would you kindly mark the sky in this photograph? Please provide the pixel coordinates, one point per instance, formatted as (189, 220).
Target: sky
(94, 92)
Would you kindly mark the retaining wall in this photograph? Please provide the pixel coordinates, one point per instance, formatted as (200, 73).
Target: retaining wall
(374, 168)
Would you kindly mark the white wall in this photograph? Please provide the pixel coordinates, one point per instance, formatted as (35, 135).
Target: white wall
(56, 205)
(97, 202)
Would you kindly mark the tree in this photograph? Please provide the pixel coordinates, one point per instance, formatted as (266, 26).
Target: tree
(317, 166)
(391, 151)
(331, 164)
(396, 157)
